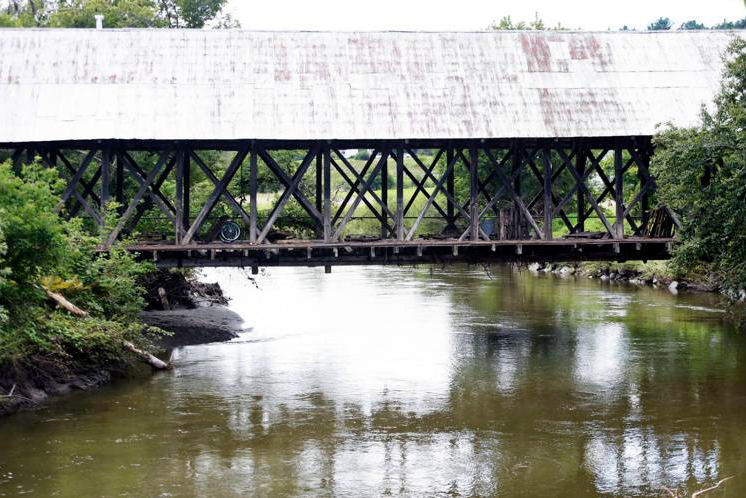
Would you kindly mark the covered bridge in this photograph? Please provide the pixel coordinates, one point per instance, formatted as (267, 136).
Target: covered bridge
(543, 125)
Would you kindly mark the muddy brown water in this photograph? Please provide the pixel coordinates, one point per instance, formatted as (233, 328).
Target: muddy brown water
(412, 382)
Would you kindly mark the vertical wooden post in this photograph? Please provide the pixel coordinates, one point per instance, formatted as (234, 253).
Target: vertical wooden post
(515, 165)
(105, 179)
(548, 205)
(580, 158)
(327, 166)
(474, 190)
(253, 173)
(17, 161)
(384, 191)
(619, 193)
(119, 183)
(319, 197)
(187, 186)
(645, 201)
(451, 189)
(179, 176)
(400, 193)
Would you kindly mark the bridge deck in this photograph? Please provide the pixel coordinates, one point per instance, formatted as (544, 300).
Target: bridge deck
(380, 252)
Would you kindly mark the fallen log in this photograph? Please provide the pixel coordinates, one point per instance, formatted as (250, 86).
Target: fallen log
(64, 303)
(148, 358)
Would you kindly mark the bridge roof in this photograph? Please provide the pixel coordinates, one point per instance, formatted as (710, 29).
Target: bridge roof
(226, 85)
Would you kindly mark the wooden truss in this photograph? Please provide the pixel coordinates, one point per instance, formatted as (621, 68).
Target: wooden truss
(468, 186)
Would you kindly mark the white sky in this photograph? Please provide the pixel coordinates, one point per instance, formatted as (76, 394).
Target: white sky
(471, 15)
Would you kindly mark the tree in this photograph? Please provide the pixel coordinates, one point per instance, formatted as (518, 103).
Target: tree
(507, 24)
(117, 13)
(25, 13)
(42, 254)
(701, 174)
(692, 25)
(740, 24)
(662, 24)
(189, 13)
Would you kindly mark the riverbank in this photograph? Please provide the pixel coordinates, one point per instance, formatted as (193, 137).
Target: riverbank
(655, 274)
(194, 326)
(198, 315)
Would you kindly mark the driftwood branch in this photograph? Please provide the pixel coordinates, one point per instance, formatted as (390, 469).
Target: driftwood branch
(64, 303)
(148, 358)
(675, 494)
(144, 355)
(703, 491)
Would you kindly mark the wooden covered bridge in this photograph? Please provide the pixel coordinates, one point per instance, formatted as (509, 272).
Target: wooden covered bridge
(322, 148)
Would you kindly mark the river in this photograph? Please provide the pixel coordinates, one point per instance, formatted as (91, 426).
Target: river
(419, 382)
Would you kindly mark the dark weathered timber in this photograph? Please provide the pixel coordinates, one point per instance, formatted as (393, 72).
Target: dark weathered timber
(232, 202)
(318, 190)
(420, 184)
(144, 186)
(290, 190)
(361, 194)
(474, 191)
(253, 187)
(580, 166)
(155, 194)
(395, 252)
(106, 155)
(618, 193)
(220, 189)
(327, 218)
(119, 183)
(548, 203)
(277, 170)
(399, 224)
(451, 190)
(179, 215)
(524, 232)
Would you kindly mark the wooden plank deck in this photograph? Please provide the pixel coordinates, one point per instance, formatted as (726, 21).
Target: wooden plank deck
(378, 252)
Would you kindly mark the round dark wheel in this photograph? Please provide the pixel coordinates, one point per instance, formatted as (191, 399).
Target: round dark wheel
(230, 232)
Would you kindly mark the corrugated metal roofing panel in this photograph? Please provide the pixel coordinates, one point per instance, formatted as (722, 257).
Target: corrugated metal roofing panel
(221, 85)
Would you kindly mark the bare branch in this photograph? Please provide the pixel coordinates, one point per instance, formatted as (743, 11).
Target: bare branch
(703, 491)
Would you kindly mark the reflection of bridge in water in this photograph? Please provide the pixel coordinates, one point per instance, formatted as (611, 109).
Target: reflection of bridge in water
(478, 146)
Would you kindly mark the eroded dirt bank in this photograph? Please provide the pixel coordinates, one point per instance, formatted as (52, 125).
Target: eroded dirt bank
(196, 314)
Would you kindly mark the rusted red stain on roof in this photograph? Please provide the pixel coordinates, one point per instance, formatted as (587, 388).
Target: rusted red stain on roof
(588, 47)
(538, 54)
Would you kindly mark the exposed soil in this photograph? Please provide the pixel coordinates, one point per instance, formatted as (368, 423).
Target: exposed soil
(180, 292)
(28, 385)
(197, 315)
(194, 326)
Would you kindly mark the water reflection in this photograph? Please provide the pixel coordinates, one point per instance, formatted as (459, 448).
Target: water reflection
(391, 381)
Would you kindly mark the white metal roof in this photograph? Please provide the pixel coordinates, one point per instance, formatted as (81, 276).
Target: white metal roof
(215, 84)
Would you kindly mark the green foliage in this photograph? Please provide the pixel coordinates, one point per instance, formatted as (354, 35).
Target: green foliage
(661, 24)
(38, 249)
(362, 155)
(34, 237)
(189, 13)
(701, 174)
(740, 24)
(4, 275)
(507, 24)
(692, 25)
(117, 13)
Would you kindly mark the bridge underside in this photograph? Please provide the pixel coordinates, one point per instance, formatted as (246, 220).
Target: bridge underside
(439, 252)
(307, 203)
